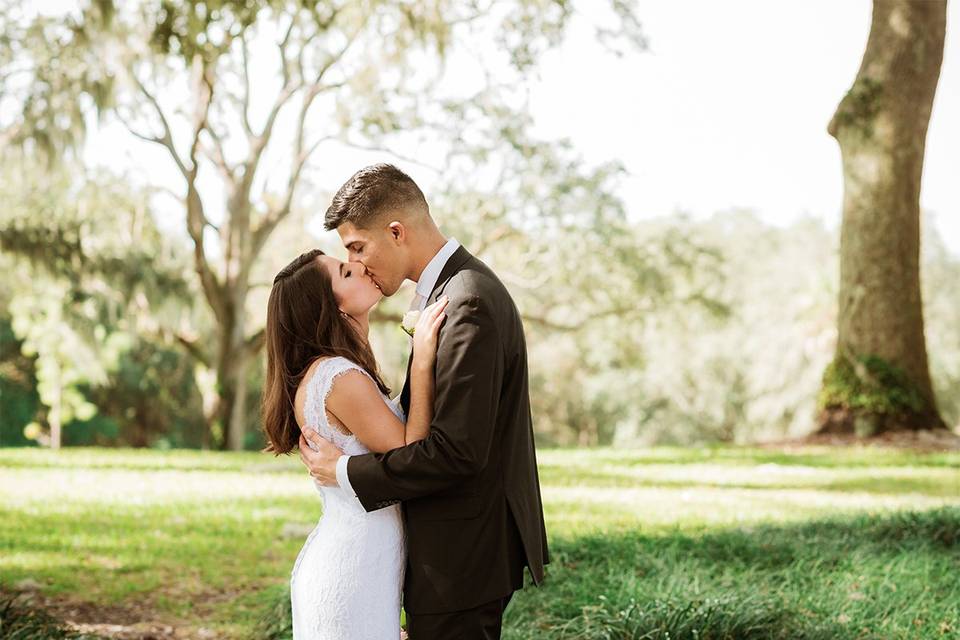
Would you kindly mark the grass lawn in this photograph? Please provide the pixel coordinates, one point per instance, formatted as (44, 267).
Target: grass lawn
(653, 543)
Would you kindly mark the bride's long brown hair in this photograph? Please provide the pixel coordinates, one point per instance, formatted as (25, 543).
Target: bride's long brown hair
(304, 323)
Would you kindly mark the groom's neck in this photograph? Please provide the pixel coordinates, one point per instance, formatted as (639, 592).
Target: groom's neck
(427, 247)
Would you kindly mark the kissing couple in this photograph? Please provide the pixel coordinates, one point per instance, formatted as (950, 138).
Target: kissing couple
(431, 500)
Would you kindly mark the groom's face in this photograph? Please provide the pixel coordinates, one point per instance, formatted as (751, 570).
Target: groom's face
(381, 249)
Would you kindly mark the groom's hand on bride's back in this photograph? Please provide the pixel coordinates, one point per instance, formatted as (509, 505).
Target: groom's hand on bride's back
(321, 463)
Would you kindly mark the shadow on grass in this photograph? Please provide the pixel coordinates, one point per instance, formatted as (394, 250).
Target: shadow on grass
(824, 457)
(553, 475)
(213, 466)
(251, 461)
(148, 460)
(865, 577)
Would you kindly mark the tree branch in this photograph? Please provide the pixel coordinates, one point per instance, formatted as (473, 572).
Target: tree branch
(218, 157)
(167, 138)
(552, 325)
(192, 348)
(196, 218)
(203, 88)
(300, 155)
(399, 156)
(501, 232)
(254, 343)
(173, 194)
(276, 215)
(245, 103)
(136, 133)
(190, 345)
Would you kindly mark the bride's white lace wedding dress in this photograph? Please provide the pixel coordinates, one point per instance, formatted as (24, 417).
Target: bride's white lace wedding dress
(347, 580)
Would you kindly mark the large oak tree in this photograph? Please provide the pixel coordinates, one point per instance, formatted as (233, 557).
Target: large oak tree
(179, 74)
(879, 379)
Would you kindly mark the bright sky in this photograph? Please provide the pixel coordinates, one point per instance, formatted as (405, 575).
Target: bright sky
(728, 108)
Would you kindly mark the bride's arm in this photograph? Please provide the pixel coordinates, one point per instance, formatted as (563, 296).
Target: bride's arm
(356, 402)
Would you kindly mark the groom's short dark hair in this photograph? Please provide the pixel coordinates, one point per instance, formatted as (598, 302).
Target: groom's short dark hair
(372, 191)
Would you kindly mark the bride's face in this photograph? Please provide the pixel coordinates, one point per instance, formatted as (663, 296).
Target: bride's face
(354, 289)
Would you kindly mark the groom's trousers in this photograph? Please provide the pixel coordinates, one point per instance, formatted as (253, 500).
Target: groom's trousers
(480, 623)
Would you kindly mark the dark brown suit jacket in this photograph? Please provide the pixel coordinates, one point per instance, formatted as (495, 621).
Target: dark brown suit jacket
(470, 490)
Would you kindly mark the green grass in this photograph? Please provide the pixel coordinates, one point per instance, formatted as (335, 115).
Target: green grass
(656, 543)
(892, 576)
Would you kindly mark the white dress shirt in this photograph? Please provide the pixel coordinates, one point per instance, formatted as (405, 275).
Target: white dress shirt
(425, 285)
(428, 279)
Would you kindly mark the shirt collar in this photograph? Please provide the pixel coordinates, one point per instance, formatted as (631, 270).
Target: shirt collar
(428, 279)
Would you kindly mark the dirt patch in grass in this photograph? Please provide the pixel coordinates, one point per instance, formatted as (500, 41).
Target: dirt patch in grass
(117, 622)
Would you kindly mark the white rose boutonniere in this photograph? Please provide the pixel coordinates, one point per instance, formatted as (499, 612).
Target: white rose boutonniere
(409, 322)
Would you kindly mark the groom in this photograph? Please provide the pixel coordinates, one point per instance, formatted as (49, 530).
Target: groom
(470, 490)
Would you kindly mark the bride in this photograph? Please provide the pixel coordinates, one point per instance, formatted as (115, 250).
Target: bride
(348, 578)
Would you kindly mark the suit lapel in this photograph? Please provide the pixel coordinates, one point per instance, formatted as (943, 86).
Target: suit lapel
(405, 394)
(451, 267)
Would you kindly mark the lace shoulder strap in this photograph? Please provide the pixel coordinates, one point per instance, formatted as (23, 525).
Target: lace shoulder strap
(318, 388)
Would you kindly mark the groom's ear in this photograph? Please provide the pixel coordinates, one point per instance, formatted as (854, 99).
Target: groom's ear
(397, 231)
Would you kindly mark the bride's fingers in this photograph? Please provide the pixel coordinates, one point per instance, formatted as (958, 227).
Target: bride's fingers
(438, 305)
(441, 305)
(432, 312)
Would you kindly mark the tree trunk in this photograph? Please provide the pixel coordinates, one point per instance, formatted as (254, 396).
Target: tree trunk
(233, 357)
(221, 426)
(879, 379)
(237, 429)
(55, 416)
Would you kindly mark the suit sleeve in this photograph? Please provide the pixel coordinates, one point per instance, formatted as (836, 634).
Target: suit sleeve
(469, 377)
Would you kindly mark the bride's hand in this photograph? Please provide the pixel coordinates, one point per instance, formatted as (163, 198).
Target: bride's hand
(425, 333)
